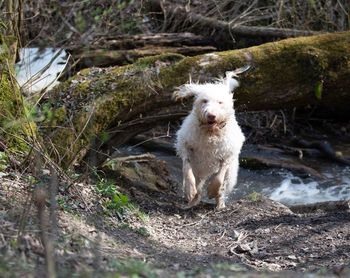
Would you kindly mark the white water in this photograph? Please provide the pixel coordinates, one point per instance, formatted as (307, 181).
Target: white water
(39, 68)
(294, 190)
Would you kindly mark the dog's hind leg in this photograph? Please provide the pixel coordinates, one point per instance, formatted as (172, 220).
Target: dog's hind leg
(231, 176)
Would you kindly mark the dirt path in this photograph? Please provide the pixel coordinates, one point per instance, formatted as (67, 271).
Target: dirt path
(252, 235)
(257, 232)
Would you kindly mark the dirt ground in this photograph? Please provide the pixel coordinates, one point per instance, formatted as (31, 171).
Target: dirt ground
(254, 237)
(148, 234)
(255, 232)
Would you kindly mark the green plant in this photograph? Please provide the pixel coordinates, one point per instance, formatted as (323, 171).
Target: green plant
(106, 188)
(318, 90)
(63, 204)
(118, 203)
(16, 130)
(142, 231)
(254, 196)
(3, 161)
(115, 202)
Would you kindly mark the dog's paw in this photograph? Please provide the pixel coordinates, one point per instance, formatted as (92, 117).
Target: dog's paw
(195, 201)
(190, 193)
(220, 206)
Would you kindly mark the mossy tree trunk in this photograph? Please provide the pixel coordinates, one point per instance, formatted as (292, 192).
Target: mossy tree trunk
(15, 128)
(98, 107)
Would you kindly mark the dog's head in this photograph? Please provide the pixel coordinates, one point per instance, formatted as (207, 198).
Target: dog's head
(213, 103)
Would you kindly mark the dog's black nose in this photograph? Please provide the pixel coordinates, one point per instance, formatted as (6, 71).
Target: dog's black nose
(211, 117)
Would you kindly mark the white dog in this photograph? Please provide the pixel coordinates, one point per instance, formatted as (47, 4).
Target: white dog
(210, 140)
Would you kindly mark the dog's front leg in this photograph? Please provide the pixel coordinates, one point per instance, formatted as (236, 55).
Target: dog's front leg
(189, 181)
(198, 197)
(216, 187)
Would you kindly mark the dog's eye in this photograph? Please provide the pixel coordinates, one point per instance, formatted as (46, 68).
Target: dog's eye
(220, 102)
(204, 101)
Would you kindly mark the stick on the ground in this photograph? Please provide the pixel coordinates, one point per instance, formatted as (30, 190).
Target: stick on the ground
(40, 197)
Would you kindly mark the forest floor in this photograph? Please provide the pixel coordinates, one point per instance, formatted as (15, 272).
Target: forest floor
(253, 237)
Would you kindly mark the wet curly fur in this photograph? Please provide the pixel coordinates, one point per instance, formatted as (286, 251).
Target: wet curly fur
(209, 140)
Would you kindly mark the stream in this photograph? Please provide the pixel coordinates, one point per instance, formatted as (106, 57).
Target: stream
(278, 184)
(39, 69)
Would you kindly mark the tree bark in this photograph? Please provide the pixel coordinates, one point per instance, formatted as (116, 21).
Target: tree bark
(123, 50)
(107, 58)
(106, 107)
(142, 40)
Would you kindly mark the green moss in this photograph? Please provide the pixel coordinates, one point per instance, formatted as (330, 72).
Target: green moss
(60, 114)
(16, 128)
(173, 76)
(146, 62)
(297, 64)
(96, 104)
(82, 88)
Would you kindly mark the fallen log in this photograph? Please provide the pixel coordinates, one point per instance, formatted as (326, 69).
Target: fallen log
(106, 57)
(153, 144)
(122, 50)
(138, 41)
(259, 162)
(106, 107)
(325, 148)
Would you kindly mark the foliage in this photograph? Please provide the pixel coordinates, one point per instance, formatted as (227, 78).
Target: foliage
(216, 270)
(115, 202)
(3, 161)
(318, 90)
(254, 196)
(62, 202)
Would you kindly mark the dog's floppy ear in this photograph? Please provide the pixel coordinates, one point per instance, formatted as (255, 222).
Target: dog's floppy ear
(186, 91)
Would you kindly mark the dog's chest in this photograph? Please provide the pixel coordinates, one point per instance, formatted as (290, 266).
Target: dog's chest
(206, 156)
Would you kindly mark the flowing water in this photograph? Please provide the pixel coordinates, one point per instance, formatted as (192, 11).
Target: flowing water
(279, 185)
(294, 190)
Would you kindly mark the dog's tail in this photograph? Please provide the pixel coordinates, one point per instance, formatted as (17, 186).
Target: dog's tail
(230, 80)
